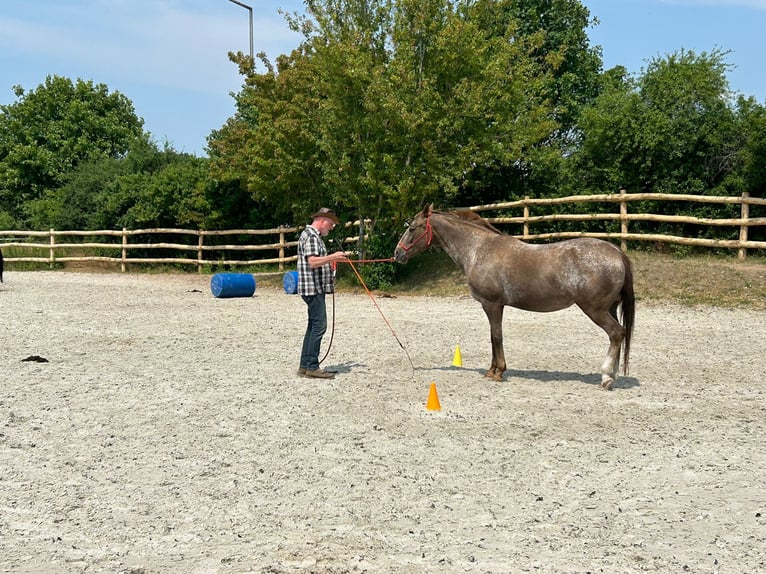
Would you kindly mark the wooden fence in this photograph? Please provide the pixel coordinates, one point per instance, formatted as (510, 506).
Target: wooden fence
(207, 251)
(742, 223)
(200, 242)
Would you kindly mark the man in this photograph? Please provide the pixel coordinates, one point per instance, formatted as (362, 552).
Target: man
(316, 278)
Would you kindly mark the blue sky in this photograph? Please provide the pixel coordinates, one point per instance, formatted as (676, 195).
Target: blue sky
(169, 57)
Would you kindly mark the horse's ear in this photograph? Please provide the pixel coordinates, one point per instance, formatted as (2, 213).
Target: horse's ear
(427, 209)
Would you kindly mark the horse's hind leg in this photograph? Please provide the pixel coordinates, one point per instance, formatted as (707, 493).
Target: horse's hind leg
(607, 320)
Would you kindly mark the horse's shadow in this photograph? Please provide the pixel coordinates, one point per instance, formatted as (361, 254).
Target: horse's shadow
(622, 382)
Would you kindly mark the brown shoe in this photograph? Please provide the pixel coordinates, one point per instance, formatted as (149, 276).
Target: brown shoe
(319, 374)
(302, 372)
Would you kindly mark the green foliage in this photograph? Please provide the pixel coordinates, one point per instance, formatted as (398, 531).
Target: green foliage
(673, 130)
(148, 187)
(74, 156)
(388, 104)
(77, 203)
(752, 129)
(556, 35)
(49, 131)
(379, 275)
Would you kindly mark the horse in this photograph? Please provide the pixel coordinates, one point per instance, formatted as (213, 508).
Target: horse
(504, 271)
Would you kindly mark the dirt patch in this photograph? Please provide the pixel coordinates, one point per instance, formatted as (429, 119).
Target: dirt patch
(169, 433)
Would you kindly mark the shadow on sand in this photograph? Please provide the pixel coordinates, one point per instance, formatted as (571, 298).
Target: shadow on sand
(622, 382)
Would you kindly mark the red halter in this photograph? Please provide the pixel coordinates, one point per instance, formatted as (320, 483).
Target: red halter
(428, 233)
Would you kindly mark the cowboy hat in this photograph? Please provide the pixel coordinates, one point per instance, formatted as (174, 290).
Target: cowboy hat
(328, 213)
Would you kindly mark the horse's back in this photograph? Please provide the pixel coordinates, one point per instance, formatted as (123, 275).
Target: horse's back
(592, 267)
(552, 276)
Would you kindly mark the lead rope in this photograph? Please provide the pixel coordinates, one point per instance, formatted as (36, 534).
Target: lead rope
(332, 331)
(374, 302)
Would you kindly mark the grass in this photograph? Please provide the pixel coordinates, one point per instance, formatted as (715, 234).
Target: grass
(701, 280)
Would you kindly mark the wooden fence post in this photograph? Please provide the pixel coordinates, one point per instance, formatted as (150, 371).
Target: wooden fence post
(360, 243)
(200, 243)
(281, 248)
(525, 230)
(124, 249)
(52, 255)
(623, 222)
(745, 210)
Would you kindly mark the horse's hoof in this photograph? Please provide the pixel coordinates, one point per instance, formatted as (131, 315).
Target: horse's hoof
(606, 383)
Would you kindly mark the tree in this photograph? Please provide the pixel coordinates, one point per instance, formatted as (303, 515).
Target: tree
(50, 130)
(567, 67)
(147, 187)
(752, 127)
(555, 34)
(671, 130)
(676, 128)
(269, 147)
(383, 106)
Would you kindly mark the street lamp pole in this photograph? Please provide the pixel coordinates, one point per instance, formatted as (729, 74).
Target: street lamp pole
(250, 10)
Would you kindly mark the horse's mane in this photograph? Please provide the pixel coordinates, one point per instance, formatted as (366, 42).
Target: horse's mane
(472, 218)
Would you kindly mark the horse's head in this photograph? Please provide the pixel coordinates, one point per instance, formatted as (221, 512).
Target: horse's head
(417, 238)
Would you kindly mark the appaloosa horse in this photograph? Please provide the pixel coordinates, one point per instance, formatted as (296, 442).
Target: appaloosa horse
(502, 270)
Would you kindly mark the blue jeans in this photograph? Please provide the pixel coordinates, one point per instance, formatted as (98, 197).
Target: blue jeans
(315, 330)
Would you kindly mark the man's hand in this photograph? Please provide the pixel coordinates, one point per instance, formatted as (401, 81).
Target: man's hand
(316, 261)
(339, 256)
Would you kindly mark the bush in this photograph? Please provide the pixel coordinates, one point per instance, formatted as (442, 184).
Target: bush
(379, 275)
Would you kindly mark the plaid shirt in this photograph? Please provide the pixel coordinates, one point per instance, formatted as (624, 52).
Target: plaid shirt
(313, 281)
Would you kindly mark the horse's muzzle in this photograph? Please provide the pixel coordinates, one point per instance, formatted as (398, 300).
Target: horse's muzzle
(400, 255)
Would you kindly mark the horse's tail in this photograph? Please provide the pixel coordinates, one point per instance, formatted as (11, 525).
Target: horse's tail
(628, 311)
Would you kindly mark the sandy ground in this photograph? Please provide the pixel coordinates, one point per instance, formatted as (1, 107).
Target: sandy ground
(169, 433)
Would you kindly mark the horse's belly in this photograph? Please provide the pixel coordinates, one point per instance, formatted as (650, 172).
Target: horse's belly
(531, 292)
(541, 305)
(538, 300)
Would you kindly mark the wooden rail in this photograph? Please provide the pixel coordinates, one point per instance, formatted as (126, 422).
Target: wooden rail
(743, 223)
(201, 249)
(199, 244)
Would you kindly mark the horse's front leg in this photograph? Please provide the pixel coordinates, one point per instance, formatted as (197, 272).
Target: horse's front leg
(495, 315)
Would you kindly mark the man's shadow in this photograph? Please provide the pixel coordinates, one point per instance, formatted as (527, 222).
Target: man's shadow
(343, 367)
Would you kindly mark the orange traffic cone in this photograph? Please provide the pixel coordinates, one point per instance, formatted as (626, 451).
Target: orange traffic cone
(433, 399)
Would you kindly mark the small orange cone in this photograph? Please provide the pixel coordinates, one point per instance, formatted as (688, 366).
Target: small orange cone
(457, 360)
(433, 399)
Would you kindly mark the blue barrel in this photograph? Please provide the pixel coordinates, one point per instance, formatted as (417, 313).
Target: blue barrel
(290, 282)
(232, 285)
